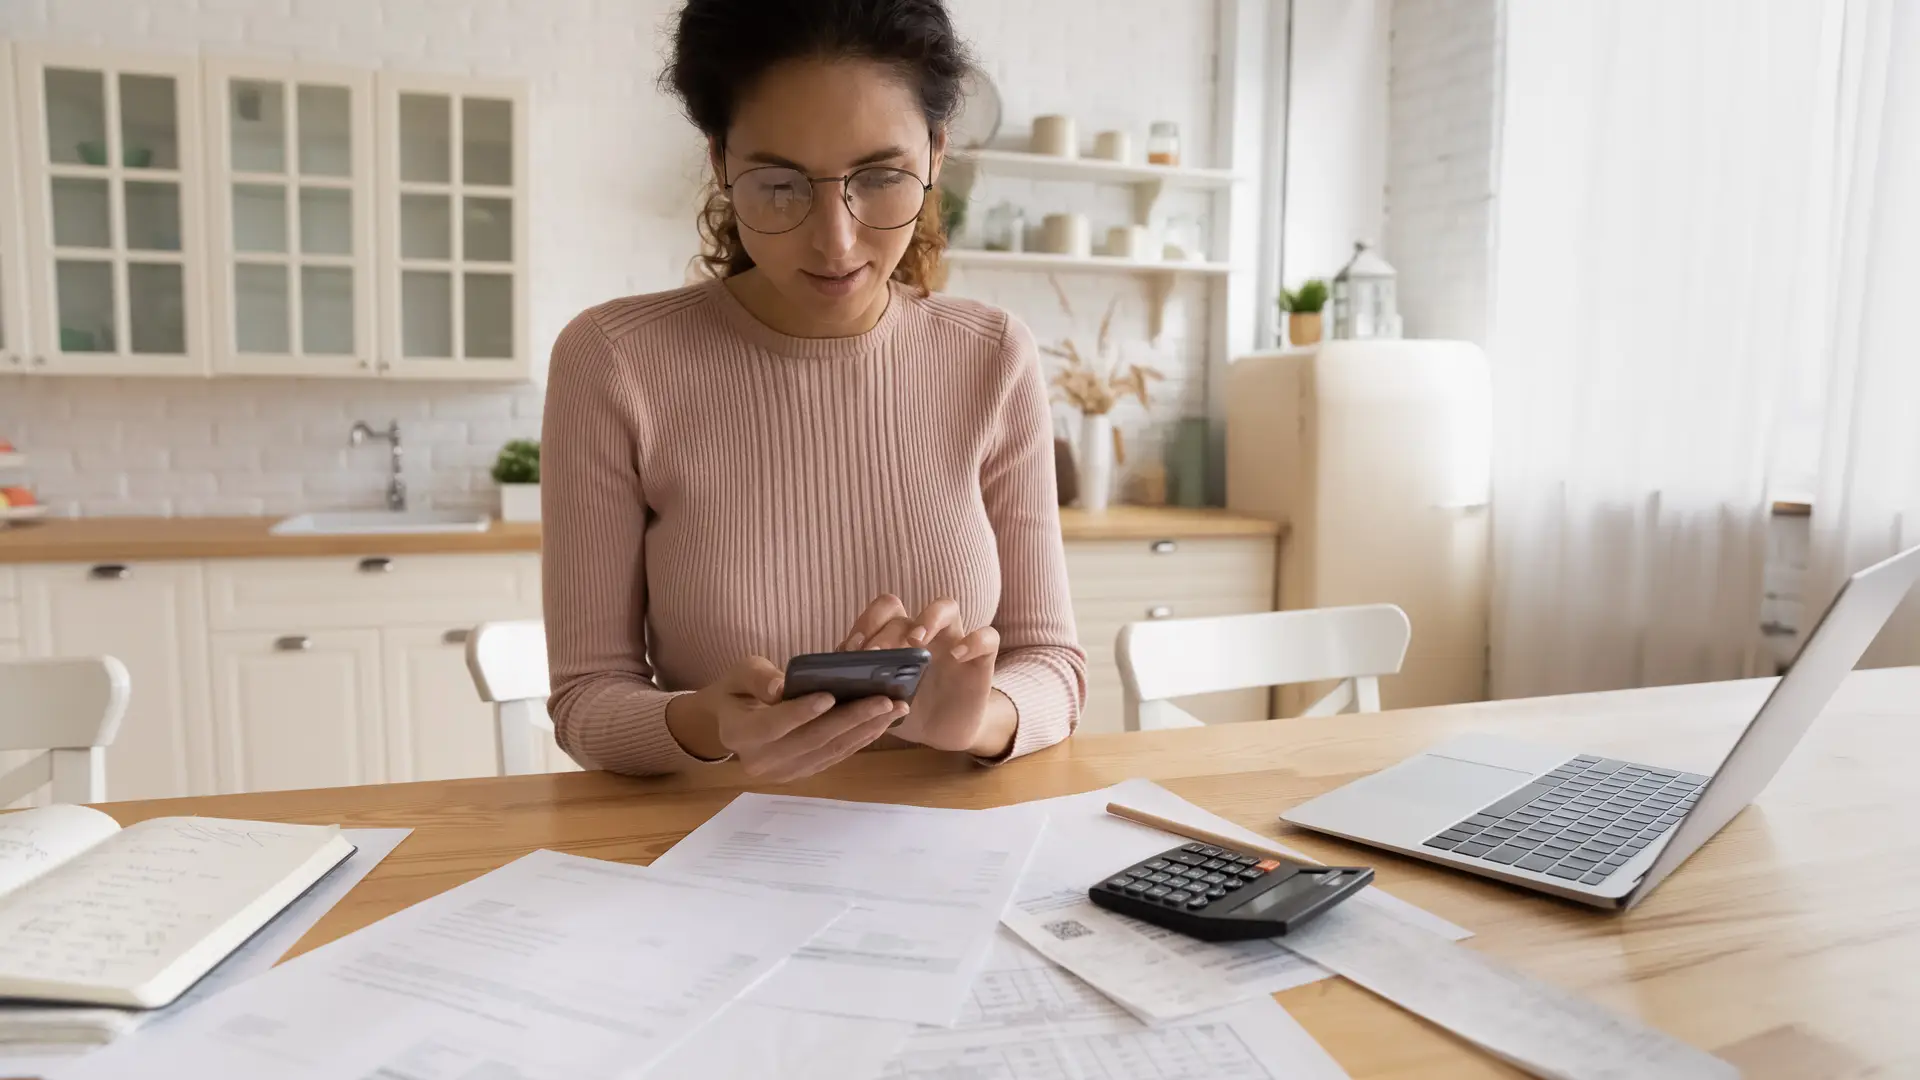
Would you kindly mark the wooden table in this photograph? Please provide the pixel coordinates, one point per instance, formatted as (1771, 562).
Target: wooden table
(1790, 944)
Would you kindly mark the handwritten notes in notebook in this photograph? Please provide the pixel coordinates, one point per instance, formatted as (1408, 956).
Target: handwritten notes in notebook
(33, 842)
(121, 912)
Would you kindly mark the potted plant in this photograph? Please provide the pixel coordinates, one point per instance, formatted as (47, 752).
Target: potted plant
(1095, 388)
(1303, 307)
(517, 471)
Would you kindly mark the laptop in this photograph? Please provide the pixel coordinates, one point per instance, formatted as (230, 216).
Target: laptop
(1589, 827)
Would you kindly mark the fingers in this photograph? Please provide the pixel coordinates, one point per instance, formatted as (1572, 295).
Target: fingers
(831, 737)
(755, 677)
(750, 728)
(883, 610)
(934, 618)
(891, 636)
(833, 751)
(981, 643)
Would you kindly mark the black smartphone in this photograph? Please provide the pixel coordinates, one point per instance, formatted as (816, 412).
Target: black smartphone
(850, 676)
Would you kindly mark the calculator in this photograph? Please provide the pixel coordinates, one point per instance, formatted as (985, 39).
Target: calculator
(1218, 894)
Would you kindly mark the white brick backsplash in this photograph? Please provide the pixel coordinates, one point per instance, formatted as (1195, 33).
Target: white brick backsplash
(617, 180)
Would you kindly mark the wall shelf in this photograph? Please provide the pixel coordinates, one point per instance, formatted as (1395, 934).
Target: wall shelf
(1041, 261)
(1149, 182)
(11, 460)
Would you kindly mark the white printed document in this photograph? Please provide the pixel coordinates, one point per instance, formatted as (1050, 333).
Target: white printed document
(1156, 974)
(1540, 1028)
(553, 967)
(1029, 1020)
(927, 887)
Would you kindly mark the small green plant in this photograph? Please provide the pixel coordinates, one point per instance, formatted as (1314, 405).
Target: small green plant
(518, 463)
(1308, 299)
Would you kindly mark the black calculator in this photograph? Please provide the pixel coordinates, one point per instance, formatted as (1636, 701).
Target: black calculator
(1218, 894)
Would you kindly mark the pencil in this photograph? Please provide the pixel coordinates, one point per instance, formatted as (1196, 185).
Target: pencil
(1194, 832)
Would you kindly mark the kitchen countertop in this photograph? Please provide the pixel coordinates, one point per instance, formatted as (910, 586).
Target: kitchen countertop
(133, 539)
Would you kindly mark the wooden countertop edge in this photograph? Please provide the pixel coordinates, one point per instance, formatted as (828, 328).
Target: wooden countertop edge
(148, 539)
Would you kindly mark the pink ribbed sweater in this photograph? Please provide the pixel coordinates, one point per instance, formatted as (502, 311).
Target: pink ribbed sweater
(713, 489)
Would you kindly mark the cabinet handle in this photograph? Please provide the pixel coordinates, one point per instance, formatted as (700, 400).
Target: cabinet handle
(456, 637)
(39, 361)
(14, 359)
(1160, 611)
(1164, 547)
(378, 564)
(108, 572)
(293, 643)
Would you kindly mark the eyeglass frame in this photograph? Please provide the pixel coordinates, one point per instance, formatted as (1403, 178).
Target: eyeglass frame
(846, 190)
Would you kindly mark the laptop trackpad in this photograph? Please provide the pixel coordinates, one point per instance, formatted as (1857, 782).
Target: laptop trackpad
(1449, 787)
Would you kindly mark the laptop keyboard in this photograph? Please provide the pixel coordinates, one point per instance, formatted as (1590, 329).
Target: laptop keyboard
(1579, 822)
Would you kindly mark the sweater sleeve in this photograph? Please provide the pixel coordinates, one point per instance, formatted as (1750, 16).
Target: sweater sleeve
(607, 710)
(1041, 667)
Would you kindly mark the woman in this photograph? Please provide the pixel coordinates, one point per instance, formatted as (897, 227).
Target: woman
(810, 452)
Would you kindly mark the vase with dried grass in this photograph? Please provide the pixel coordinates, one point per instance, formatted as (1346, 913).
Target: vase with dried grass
(1095, 387)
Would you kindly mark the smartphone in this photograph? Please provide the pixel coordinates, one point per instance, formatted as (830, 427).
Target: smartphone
(850, 676)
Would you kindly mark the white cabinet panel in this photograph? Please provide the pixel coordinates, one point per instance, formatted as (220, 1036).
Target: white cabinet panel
(298, 710)
(15, 339)
(453, 227)
(437, 726)
(291, 204)
(348, 593)
(112, 174)
(152, 616)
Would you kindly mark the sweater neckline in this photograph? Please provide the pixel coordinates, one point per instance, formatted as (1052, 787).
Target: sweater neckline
(834, 348)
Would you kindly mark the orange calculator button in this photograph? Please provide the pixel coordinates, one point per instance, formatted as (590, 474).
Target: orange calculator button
(1267, 864)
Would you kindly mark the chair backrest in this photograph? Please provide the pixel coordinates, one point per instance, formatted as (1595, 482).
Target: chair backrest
(1170, 658)
(508, 661)
(71, 710)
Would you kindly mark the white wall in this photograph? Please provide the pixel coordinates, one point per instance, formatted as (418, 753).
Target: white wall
(1337, 129)
(615, 180)
(1444, 106)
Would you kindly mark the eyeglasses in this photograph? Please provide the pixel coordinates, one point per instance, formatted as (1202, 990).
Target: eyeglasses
(774, 199)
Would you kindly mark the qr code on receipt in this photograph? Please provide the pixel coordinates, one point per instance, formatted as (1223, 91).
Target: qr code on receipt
(1068, 929)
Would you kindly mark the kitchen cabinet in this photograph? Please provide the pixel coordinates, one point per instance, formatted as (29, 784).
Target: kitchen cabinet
(172, 215)
(1115, 582)
(437, 727)
(453, 227)
(152, 616)
(297, 710)
(290, 180)
(110, 162)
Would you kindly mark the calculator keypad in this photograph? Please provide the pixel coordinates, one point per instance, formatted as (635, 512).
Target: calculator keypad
(1192, 877)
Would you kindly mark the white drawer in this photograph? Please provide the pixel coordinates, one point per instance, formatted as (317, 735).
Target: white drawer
(1162, 571)
(351, 592)
(9, 584)
(9, 620)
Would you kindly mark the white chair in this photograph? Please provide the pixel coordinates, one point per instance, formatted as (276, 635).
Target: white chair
(508, 661)
(1171, 658)
(68, 711)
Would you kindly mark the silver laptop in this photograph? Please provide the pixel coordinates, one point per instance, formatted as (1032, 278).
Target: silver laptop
(1586, 826)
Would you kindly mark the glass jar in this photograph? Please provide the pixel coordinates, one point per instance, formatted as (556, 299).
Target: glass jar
(1163, 143)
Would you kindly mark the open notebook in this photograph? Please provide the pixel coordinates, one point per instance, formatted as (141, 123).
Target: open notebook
(96, 914)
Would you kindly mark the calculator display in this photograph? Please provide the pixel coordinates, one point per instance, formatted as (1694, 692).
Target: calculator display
(1279, 896)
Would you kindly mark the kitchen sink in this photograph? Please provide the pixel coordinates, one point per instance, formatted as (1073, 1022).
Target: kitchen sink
(374, 522)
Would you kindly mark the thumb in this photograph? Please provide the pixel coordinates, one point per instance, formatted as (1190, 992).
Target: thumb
(757, 678)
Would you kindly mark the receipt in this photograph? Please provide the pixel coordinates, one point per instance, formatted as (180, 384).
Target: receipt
(1537, 1027)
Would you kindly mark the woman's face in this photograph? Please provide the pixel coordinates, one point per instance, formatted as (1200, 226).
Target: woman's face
(828, 118)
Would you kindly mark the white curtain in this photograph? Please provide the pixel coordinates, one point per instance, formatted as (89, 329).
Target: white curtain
(1655, 207)
(1867, 503)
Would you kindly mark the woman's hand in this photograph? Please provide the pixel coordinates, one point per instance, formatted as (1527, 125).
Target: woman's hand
(956, 706)
(776, 741)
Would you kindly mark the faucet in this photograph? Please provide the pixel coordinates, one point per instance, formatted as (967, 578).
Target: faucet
(396, 487)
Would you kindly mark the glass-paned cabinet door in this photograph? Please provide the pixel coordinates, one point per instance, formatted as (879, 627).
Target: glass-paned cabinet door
(15, 348)
(291, 187)
(111, 172)
(453, 193)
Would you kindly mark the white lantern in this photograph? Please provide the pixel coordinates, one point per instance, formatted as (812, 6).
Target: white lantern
(1363, 297)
